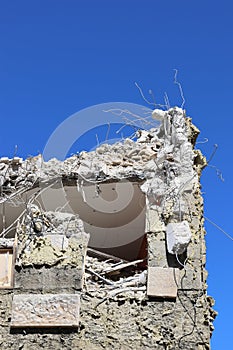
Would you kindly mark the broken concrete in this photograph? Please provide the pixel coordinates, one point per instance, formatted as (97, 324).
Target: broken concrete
(130, 301)
(178, 237)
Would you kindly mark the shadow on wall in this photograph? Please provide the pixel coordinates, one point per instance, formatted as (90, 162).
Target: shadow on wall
(114, 217)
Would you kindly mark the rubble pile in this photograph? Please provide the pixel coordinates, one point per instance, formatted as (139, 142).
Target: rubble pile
(142, 283)
(161, 158)
(50, 238)
(106, 279)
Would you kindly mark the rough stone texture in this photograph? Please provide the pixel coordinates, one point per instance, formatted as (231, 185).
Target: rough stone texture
(43, 251)
(128, 325)
(153, 222)
(115, 310)
(48, 279)
(6, 243)
(48, 310)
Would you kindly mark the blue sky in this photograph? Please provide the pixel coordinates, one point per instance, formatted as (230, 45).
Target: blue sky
(58, 57)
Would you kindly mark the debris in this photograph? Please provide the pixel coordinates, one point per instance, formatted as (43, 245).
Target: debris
(158, 114)
(97, 254)
(7, 242)
(100, 277)
(124, 282)
(178, 237)
(122, 266)
(137, 195)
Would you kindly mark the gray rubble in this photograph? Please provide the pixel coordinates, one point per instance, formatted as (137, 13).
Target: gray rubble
(162, 158)
(157, 300)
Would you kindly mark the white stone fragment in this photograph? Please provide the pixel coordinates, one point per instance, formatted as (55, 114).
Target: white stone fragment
(6, 242)
(4, 160)
(143, 136)
(60, 242)
(2, 180)
(178, 237)
(158, 114)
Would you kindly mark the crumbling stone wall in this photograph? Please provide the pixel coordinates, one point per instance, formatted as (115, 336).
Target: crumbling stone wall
(111, 303)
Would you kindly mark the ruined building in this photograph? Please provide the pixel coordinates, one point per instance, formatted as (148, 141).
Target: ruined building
(106, 250)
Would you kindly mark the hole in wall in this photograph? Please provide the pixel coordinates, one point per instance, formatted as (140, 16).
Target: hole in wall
(113, 213)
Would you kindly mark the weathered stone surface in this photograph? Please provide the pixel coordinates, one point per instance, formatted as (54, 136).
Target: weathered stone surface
(116, 313)
(157, 249)
(153, 221)
(48, 250)
(5, 309)
(129, 325)
(162, 282)
(38, 310)
(49, 279)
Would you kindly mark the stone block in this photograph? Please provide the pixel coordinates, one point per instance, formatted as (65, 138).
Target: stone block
(49, 280)
(162, 282)
(156, 251)
(153, 222)
(45, 310)
(178, 237)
